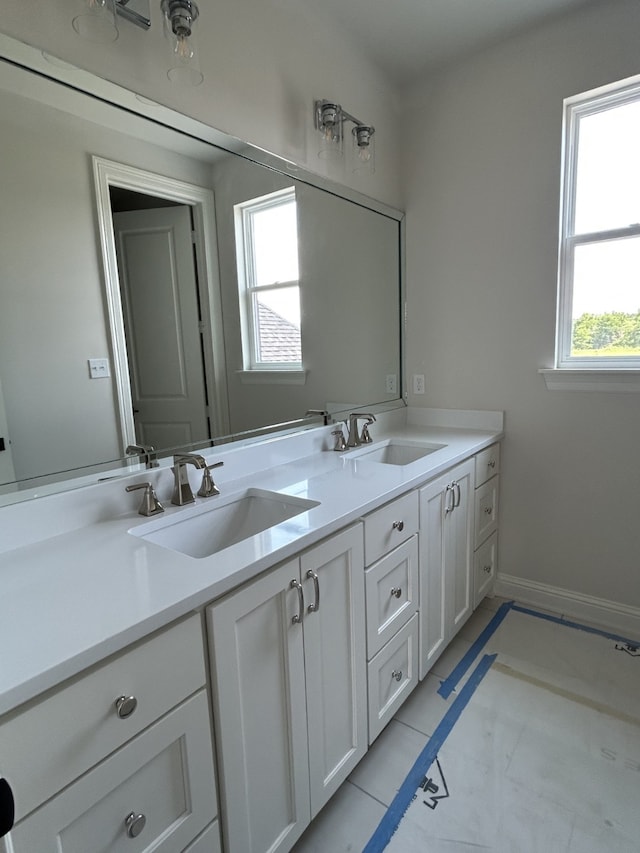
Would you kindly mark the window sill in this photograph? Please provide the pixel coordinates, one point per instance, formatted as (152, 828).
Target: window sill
(587, 379)
(272, 377)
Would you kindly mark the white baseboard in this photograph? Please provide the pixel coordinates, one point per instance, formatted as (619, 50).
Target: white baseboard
(617, 618)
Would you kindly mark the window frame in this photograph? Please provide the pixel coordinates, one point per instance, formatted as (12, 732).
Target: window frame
(248, 289)
(575, 109)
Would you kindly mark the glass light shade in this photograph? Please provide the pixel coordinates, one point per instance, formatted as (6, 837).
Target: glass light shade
(329, 127)
(184, 64)
(364, 152)
(96, 20)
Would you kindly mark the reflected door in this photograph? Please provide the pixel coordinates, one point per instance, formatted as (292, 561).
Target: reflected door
(159, 292)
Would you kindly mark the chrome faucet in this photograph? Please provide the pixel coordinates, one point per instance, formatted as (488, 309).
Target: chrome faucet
(182, 493)
(355, 440)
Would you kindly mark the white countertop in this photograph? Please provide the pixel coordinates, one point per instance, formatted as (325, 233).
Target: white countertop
(70, 600)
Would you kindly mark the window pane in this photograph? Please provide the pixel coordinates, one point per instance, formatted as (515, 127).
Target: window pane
(275, 244)
(278, 332)
(608, 176)
(606, 299)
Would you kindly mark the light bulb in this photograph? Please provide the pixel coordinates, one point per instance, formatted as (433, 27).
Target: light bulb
(183, 48)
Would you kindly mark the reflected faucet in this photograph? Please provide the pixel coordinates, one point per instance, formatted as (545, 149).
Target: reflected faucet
(355, 440)
(147, 453)
(182, 493)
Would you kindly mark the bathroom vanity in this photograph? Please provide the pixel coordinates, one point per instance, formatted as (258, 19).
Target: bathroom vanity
(153, 699)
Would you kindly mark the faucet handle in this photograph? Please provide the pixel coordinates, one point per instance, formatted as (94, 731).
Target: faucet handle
(208, 488)
(340, 443)
(365, 436)
(149, 505)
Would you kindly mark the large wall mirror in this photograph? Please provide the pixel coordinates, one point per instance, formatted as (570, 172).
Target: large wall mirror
(158, 289)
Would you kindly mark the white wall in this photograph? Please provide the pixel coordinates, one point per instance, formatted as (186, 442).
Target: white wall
(481, 175)
(264, 64)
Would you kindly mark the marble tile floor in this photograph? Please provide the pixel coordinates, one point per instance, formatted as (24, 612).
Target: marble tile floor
(348, 821)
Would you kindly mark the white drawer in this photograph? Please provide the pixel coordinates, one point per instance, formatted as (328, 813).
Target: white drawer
(208, 842)
(393, 673)
(50, 743)
(485, 566)
(486, 510)
(391, 587)
(165, 774)
(487, 464)
(390, 526)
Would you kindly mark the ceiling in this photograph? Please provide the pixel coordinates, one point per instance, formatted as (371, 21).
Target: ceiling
(408, 38)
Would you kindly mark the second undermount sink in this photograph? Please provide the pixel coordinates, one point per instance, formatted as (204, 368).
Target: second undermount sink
(212, 528)
(399, 452)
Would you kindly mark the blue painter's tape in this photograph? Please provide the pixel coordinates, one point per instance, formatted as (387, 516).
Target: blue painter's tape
(401, 802)
(466, 662)
(560, 621)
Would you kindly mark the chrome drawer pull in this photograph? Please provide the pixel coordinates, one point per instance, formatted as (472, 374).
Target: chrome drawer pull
(398, 525)
(135, 823)
(313, 608)
(492, 464)
(298, 616)
(487, 569)
(396, 592)
(488, 510)
(397, 674)
(125, 706)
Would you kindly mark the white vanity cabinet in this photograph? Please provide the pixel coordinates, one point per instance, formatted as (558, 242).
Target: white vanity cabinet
(120, 758)
(289, 662)
(391, 583)
(446, 559)
(487, 493)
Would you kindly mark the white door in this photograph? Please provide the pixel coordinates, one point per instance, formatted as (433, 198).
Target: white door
(260, 713)
(335, 661)
(434, 500)
(459, 548)
(161, 317)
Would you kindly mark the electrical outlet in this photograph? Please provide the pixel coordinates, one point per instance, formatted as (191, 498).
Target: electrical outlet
(418, 383)
(99, 368)
(391, 384)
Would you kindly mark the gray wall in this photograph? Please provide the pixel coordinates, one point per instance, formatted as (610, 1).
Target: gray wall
(482, 176)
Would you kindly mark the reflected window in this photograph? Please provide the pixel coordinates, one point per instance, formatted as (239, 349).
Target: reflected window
(268, 281)
(599, 281)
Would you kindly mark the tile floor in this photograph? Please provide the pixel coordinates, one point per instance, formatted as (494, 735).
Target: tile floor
(348, 821)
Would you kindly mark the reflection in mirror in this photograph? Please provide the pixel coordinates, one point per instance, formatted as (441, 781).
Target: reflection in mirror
(125, 315)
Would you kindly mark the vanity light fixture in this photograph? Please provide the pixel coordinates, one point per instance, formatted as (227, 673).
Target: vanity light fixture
(97, 20)
(179, 18)
(329, 119)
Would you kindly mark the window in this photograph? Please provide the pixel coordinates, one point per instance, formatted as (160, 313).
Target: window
(268, 281)
(599, 279)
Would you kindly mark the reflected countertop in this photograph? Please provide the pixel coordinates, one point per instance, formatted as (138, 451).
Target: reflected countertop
(72, 599)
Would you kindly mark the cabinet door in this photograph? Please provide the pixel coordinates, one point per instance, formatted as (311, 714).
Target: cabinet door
(459, 549)
(436, 498)
(335, 660)
(260, 713)
(446, 550)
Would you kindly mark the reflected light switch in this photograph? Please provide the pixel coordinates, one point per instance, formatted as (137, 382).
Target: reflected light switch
(99, 368)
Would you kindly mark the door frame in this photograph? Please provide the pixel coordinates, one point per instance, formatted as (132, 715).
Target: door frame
(107, 173)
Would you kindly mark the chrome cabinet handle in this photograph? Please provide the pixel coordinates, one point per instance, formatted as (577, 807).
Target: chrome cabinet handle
(487, 569)
(398, 525)
(396, 591)
(298, 616)
(457, 495)
(125, 706)
(313, 608)
(488, 510)
(492, 463)
(134, 824)
(449, 507)
(397, 674)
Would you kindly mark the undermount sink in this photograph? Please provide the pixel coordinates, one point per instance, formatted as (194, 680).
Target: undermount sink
(399, 453)
(210, 529)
